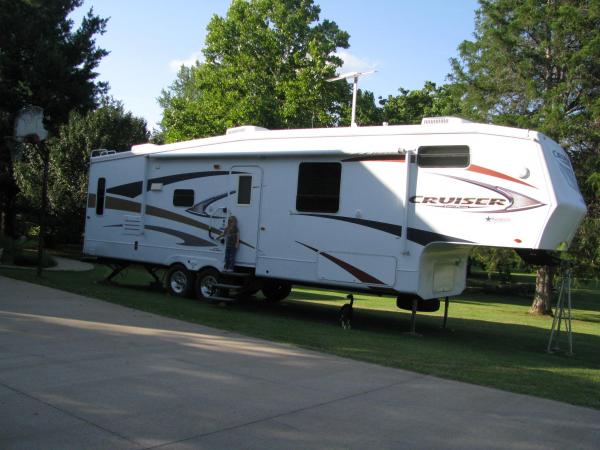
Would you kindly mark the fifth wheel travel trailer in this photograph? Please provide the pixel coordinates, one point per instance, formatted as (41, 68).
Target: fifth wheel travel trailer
(389, 210)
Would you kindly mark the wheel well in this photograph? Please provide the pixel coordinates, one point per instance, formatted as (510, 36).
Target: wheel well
(207, 267)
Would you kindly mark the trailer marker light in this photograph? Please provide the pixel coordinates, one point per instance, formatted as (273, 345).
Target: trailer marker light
(518, 241)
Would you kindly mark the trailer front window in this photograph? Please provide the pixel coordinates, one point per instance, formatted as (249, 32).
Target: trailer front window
(443, 156)
(319, 187)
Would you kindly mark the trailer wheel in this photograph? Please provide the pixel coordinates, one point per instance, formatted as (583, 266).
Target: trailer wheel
(180, 281)
(205, 283)
(275, 291)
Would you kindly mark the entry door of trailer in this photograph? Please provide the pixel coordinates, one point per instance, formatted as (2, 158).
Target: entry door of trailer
(244, 204)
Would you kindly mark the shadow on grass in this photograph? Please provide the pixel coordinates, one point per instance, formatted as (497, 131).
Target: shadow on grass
(322, 296)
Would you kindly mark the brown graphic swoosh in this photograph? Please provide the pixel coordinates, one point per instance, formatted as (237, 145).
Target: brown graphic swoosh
(360, 275)
(130, 206)
(122, 204)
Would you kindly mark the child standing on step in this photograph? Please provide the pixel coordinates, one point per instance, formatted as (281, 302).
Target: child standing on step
(232, 242)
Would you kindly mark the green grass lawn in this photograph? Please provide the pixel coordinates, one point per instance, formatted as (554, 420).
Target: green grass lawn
(491, 339)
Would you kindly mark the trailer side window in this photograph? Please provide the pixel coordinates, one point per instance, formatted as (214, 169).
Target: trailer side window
(100, 191)
(319, 187)
(183, 197)
(443, 156)
(244, 193)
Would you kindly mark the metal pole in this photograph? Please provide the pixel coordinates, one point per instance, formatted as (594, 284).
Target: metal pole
(407, 183)
(446, 311)
(354, 92)
(413, 317)
(568, 324)
(557, 318)
(43, 151)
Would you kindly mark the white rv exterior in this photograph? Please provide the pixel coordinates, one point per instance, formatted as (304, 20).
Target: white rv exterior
(390, 209)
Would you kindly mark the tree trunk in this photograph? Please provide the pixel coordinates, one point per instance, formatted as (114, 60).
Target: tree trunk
(542, 301)
(8, 193)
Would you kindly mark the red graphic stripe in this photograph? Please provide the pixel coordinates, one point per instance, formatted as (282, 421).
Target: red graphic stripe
(493, 173)
(354, 271)
(377, 158)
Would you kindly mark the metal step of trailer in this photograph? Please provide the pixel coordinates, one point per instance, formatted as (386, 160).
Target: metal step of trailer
(231, 286)
(217, 299)
(236, 274)
(228, 286)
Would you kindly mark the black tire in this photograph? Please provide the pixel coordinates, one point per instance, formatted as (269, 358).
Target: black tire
(205, 280)
(275, 291)
(180, 281)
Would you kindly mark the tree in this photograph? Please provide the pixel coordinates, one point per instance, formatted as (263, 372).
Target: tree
(108, 127)
(367, 111)
(266, 63)
(409, 107)
(536, 64)
(499, 260)
(43, 61)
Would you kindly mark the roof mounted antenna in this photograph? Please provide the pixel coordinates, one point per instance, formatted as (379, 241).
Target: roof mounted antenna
(355, 76)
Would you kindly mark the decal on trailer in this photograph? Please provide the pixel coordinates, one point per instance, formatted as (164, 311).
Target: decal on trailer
(421, 237)
(199, 209)
(134, 189)
(357, 273)
(506, 202)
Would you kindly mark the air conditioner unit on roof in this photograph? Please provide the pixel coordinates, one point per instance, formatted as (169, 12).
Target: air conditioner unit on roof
(443, 120)
(245, 129)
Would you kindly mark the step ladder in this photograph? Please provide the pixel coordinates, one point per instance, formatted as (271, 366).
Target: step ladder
(562, 313)
(232, 286)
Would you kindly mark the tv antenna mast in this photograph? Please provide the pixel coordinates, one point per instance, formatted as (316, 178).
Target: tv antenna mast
(355, 76)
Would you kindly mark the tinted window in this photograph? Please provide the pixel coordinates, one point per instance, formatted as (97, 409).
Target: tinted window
(443, 156)
(319, 187)
(183, 197)
(244, 190)
(100, 191)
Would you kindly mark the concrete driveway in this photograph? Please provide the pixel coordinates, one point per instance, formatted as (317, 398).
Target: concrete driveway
(79, 373)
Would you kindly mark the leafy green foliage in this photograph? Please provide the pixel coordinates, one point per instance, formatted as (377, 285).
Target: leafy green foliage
(367, 111)
(409, 107)
(110, 127)
(537, 65)
(45, 62)
(501, 261)
(266, 63)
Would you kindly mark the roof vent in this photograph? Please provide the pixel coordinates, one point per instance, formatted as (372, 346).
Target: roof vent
(443, 120)
(102, 152)
(245, 129)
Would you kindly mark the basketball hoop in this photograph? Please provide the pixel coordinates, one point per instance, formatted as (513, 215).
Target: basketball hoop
(29, 128)
(29, 125)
